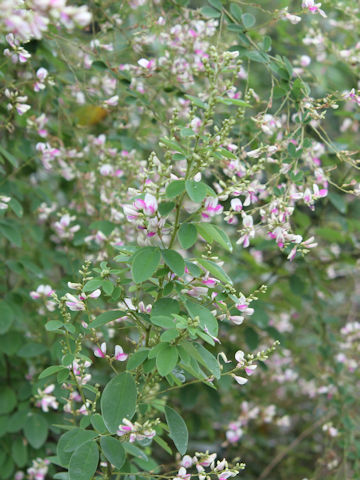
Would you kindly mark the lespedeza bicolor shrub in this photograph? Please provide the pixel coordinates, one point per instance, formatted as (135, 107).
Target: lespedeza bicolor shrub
(180, 231)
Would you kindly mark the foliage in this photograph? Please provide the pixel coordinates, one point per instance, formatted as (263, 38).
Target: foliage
(179, 217)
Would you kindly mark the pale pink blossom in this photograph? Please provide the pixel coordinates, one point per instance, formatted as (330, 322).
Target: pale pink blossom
(100, 352)
(239, 380)
(313, 7)
(45, 400)
(75, 304)
(186, 461)
(119, 354)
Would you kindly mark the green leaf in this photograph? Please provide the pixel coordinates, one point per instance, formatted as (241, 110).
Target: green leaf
(51, 370)
(175, 188)
(17, 421)
(92, 284)
(251, 338)
(6, 317)
(215, 270)
(226, 153)
(266, 43)
(36, 430)
(137, 359)
(194, 270)
(118, 401)
(248, 20)
(7, 400)
(19, 452)
(174, 261)
(187, 132)
(216, 4)
(256, 56)
(207, 319)
(16, 207)
(145, 263)
(134, 451)
(236, 11)
(196, 190)
(165, 208)
(178, 430)
(11, 232)
(187, 235)
(339, 202)
(210, 12)
(166, 360)
(98, 423)
(208, 360)
(103, 226)
(171, 144)
(108, 286)
(82, 436)
(165, 306)
(169, 335)
(30, 350)
(62, 452)
(196, 101)
(160, 441)
(53, 325)
(9, 156)
(106, 317)
(155, 350)
(212, 233)
(113, 451)
(162, 321)
(232, 101)
(84, 461)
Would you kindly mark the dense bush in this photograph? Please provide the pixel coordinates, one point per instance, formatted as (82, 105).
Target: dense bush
(180, 234)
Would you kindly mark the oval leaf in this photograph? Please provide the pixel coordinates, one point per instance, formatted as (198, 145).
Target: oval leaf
(6, 317)
(51, 370)
(84, 461)
(196, 190)
(36, 430)
(175, 188)
(113, 451)
(106, 317)
(187, 235)
(118, 401)
(166, 360)
(174, 261)
(215, 270)
(178, 430)
(145, 263)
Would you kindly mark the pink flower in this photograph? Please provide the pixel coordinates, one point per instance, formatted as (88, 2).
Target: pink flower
(182, 475)
(45, 400)
(148, 64)
(100, 352)
(42, 291)
(250, 369)
(75, 304)
(186, 461)
(119, 354)
(240, 358)
(243, 306)
(247, 231)
(211, 207)
(313, 7)
(236, 319)
(22, 108)
(236, 204)
(240, 380)
(113, 101)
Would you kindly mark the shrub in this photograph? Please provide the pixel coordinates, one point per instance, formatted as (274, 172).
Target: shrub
(179, 220)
